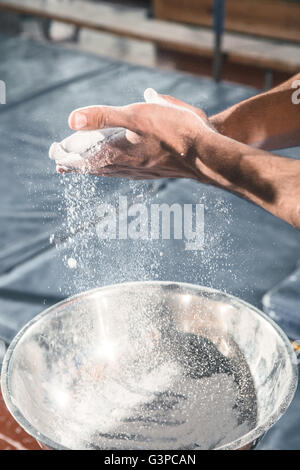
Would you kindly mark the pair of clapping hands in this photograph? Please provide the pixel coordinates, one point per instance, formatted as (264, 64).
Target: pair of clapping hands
(164, 137)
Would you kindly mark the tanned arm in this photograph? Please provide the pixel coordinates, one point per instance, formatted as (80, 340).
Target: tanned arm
(270, 120)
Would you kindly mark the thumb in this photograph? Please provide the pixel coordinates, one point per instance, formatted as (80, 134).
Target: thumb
(100, 117)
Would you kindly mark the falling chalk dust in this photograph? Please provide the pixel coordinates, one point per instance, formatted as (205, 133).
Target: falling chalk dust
(128, 412)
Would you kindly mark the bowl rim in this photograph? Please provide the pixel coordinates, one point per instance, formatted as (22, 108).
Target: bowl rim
(240, 442)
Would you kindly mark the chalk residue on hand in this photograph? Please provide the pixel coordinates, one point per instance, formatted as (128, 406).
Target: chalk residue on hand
(76, 148)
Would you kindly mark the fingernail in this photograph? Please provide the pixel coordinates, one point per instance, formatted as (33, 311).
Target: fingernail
(79, 120)
(150, 95)
(62, 169)
(53, 150)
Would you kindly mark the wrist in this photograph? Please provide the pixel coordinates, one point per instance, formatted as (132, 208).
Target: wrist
(268, 180)
(244, 122)
(217, 122)
(215, 159)
(229, 123)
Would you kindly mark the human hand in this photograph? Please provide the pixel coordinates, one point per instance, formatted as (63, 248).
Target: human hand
(160, 138)
(165, 137)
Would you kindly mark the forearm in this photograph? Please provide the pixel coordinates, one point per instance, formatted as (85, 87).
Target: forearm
(270, 181)
(167, 138)
(269, 120)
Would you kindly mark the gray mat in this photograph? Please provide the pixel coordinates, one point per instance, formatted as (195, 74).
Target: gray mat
(246, 252)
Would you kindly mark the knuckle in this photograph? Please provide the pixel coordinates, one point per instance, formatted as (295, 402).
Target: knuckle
(130, 113)
(100, 119)
(135, 115)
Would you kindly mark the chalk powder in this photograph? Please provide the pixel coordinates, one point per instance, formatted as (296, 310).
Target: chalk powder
(83, 195)
(72, 263)
(178, 392)
(163, 407)
(80, 146)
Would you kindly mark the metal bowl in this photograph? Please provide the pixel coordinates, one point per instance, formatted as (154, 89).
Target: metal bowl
(149, 365)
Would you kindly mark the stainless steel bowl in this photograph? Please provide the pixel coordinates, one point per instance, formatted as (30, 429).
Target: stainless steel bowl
(149, 365)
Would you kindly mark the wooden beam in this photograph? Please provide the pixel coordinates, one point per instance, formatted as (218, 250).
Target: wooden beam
(105, 18)
(164, 34)
(266, 18)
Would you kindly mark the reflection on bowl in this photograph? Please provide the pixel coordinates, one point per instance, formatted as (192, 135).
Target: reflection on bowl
(149, 365)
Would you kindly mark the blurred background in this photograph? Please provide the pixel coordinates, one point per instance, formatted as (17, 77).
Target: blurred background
(252, 42)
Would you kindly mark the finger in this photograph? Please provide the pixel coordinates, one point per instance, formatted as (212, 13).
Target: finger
(85, 170)
(62, 169)
(100, 117)
(118, 147)
(151, 96)
(182, 104)
(99, 162)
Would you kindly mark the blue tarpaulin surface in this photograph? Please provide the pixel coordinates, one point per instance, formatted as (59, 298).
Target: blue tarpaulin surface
(246, 252)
